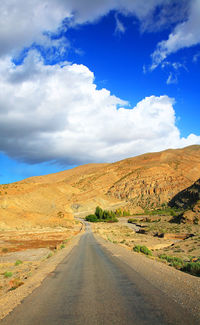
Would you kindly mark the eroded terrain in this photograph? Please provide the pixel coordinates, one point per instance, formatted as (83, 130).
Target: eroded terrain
(22, 252)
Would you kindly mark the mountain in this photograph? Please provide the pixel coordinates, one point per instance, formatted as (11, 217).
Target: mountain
(189, 200)
(145, 181)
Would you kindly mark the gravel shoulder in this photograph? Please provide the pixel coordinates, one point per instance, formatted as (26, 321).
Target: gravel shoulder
(181, 287)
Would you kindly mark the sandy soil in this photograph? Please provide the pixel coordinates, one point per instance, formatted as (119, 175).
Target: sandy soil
(32, 273)
(126, 235)
(123, 235)
(23, 253)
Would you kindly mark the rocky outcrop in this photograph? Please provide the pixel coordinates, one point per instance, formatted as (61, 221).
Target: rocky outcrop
(189, 200)
(156, 178)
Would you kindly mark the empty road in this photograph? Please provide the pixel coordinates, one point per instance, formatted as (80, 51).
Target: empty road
(93, 287)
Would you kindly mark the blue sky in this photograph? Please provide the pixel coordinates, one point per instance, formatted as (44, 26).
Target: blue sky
(95, 83)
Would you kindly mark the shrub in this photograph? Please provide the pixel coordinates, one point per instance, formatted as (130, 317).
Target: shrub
(62, 246)
(177, 265)
(118, 212)
(172, 259)
(142, 249)
(126, 213)
(18, 262)
(137, 248)
(111, 220)
(8, 274)
(91, 218)
(192, 268)
(102, 215)
(145, 250)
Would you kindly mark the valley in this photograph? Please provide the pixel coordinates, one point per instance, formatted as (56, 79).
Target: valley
(158, 194)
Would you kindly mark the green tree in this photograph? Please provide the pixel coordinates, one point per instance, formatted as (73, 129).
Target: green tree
(99, 212)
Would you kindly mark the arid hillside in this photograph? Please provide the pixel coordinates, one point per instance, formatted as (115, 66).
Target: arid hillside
(146, 181)
(153, 179)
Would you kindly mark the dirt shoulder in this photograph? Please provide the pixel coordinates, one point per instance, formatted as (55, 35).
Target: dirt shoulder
(181, 287)
(14, 297)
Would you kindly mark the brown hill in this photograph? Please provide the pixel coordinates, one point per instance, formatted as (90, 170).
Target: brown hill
(145, 181)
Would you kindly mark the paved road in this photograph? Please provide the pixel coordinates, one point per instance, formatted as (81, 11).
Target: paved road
(93, 287)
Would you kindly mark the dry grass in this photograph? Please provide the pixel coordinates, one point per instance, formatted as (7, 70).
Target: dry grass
(188, 249)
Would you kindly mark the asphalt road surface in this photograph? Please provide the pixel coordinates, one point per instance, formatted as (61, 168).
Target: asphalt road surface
(93, 287)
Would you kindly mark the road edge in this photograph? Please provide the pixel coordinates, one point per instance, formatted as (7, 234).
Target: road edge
(160, 275)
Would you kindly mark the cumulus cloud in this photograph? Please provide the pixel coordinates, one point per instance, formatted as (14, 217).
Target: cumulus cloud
(57, 113)
(185, 34)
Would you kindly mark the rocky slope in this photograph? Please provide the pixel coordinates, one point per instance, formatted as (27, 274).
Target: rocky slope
(146, 181)
(153, 179)
(189, 200)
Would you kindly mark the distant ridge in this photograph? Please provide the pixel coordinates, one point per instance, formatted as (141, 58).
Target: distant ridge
(145, 181)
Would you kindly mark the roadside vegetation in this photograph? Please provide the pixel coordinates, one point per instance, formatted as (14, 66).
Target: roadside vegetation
(8, 274)
(142, 249)
(175, 244)
(165, 210)
(101, 215)
(177, 262)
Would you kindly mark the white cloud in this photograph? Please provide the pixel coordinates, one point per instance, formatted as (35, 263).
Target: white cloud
(196, 57)
(185, 34)
(119, 29)
(174, 70)
(172, 79)
(57, 113)
(24, 22)
(90, 10)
